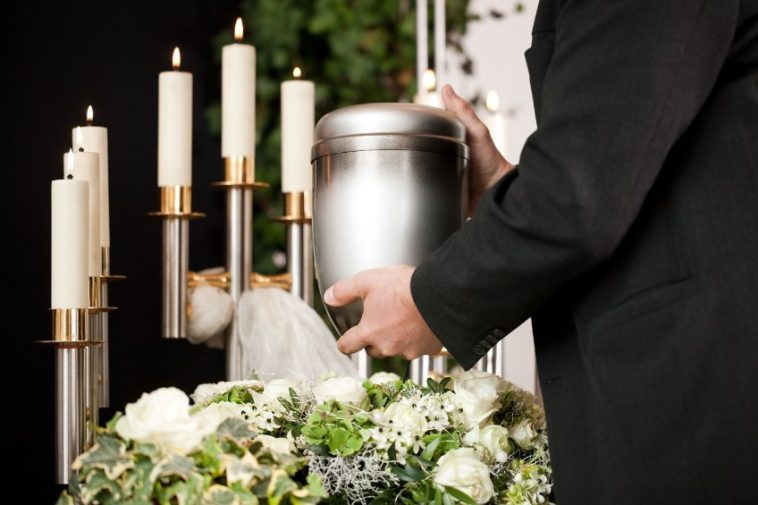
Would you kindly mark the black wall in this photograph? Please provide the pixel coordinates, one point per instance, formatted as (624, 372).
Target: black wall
(58, 58)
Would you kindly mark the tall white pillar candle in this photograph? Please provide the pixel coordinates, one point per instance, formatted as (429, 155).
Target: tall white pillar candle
(69, 285)
(94, 139)
(422, 43)
(175, 126)
(238, 97)
(297, 134)
(495, 121)
(440, 32)
(428, 95)
(86, 167)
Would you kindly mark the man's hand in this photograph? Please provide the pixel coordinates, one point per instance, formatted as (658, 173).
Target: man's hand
(487, 164)
(391, 324)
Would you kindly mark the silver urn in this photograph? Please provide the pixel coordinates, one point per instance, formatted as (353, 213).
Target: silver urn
(390, 186)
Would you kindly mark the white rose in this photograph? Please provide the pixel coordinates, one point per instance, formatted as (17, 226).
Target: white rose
(279, 388)
(523, 434)
(214, 414)
(342, 389)
(282, 445)
(180, 437)
(494, 438)
(405, 418)
(477, 392)
(205, 392)
(463, 470)
(153, 411)
(381, 378)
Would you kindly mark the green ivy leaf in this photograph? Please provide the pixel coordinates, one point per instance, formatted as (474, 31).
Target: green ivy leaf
(235, 428)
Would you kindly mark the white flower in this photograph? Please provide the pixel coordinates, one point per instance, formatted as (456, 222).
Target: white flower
(382, 378)
(279, 388)
(179, 437)
(523, 434)
(205, 392)
(242, 470)
(342, 389)
(214, 414)
(494, 438)
(401, 417)
(463, 470)
(282, 445)
(477, 394)
(151, 412)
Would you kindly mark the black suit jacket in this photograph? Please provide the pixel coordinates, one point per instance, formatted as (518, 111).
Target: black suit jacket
(629, 232)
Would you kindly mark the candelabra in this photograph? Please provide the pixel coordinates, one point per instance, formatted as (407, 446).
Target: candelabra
(176, 210)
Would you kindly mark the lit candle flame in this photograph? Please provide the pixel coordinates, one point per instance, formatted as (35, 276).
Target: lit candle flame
(176, 59)
(79, 138)
(296, 72)
(493, 101)
(90, 115)
(239, 31)
(429, 81)
(70, 163)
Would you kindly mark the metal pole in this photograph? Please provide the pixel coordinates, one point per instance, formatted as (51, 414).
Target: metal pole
(175, 266)
(300, 260)
(70, 408)
(239, 259)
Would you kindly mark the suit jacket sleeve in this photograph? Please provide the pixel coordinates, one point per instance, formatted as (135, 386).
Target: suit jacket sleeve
(626, 79)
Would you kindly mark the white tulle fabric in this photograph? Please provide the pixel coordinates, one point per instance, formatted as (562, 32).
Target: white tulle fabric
(281, 336)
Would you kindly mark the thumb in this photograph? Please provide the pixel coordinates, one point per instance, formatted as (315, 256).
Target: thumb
(346, 291)
(477, 131)
(352, 341)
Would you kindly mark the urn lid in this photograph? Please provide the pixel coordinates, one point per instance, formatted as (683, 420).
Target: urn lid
(389, 126)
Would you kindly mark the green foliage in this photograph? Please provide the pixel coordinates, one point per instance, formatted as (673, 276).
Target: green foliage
(336, 429)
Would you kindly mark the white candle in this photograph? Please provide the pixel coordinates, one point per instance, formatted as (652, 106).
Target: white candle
(94, 139)
(495, 121)
(175, 126)
(440, 33)
(298, 98)
(86, 167)
(428, 95)
(238, 97)
(422, 43)
(69, 286)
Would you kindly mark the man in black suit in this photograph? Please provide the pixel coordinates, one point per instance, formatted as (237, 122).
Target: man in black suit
(629, 234)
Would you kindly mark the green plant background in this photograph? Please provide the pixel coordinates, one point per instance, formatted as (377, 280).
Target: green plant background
(356, 51)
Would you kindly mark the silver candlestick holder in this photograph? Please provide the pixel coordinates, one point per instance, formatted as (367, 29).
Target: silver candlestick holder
(74, 424)
(176, 212)
(103, 350)
(298, 220)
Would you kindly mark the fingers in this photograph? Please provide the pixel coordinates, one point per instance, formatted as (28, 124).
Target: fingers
(346, 291)
(352, 341)
(464, 112)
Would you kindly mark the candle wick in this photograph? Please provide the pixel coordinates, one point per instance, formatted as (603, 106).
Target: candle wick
(89, 122)
(70, 176)
(81, 149)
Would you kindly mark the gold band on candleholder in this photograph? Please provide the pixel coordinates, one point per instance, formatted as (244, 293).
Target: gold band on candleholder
(297, 207)
(176, 201)
(70, 327)
(239, 172)
(95, 290)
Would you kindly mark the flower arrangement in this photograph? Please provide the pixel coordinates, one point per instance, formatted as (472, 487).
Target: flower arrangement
(474, 440)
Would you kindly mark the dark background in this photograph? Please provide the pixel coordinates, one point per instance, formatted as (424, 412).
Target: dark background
(58, 58)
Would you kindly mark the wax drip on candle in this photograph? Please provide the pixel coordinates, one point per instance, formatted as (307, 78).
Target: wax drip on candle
(79, 137)
(297, 73)
(90, 115)
(176, 59)
(493, 101)
(239, 31)
(429, 81)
